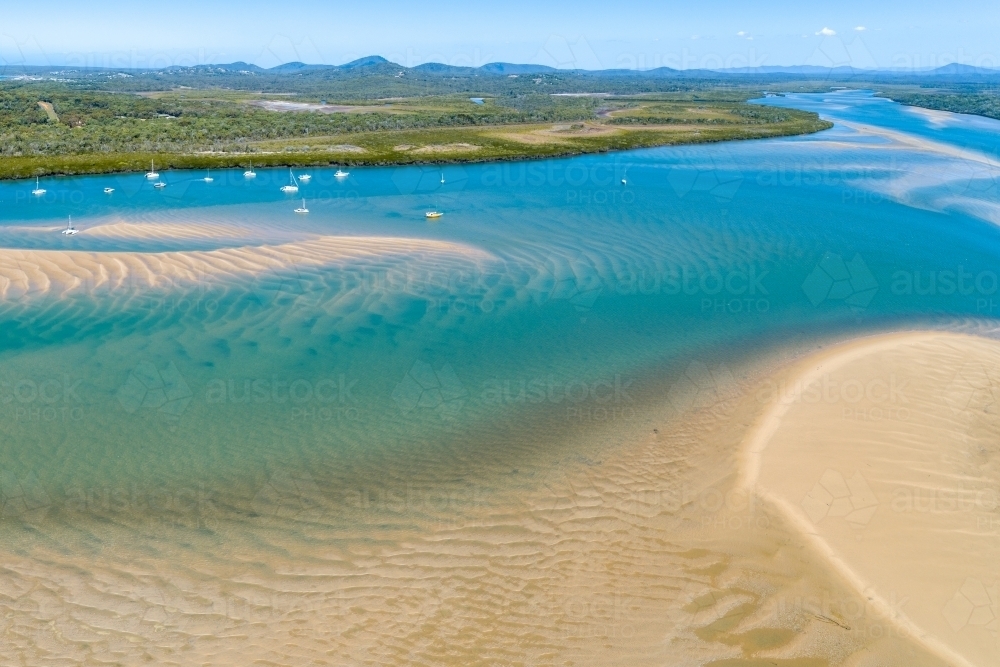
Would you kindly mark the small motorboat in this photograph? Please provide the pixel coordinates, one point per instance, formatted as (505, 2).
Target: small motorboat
(70, 229)
(108, 191)
(39, 190)
(305, 178)
(159, 185)
(340, 173)
(293, 185)
(433, 214)
(623, 182)
(151, 174)
(250, 173)
(303, 209)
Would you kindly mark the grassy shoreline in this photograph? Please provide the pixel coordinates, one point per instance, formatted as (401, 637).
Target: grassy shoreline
(448, 146)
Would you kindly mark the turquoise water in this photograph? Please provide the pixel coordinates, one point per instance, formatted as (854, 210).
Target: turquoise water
(708, 252)
(190, 405)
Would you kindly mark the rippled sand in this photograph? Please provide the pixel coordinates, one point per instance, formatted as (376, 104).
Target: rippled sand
(639, 542)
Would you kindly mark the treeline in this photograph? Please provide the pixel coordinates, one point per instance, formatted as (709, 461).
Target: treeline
(980, 103)
(102, 122)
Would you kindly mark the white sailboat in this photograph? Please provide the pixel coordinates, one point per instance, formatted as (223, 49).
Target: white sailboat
(303, 209)
(151, 174)
(208, 176)
(340, 173)
(293, 185)
(250, 173)
(70, 229)
(442, 178)
(39, 190)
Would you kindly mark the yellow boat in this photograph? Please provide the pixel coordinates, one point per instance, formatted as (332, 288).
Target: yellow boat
(433, 214)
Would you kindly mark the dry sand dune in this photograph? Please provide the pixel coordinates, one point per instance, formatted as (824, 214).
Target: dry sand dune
(884, 454)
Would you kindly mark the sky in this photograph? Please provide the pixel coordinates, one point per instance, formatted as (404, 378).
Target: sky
(639, 34)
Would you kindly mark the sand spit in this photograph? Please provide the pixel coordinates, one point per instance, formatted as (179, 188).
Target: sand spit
(883, 453)
(46, 272)
(904, 140)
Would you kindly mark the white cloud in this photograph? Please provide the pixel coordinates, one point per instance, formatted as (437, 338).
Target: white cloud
(827, 32)
(741, 33)
(861, 28)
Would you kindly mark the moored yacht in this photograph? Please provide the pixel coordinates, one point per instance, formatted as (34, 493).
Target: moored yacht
(293, 185)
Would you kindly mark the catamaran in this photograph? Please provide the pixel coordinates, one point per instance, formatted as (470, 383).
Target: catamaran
(70, 229)
(151, 174)
(39, 190)
(250, 173)
(293, 185)
(303, 209)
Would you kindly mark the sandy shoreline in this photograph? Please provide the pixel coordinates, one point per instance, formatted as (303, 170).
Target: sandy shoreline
(880, 453)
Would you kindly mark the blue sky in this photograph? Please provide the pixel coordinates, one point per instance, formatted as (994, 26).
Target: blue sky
(591, 35)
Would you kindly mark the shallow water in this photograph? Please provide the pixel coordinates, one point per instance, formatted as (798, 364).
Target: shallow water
(218, 447)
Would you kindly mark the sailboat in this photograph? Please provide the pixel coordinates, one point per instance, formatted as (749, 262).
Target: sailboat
(159, 185)
(433, 214)
(70, 229)
(208, 176)
(250, 173)
(151, 174)
(39, 190)
(292, 186)
(340, 173)
(624, 174)
(442, 178)
(108, 191)
(303, 209)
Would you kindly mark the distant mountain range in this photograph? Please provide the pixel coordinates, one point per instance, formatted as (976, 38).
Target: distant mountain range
(378, 64)
(514, 69)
